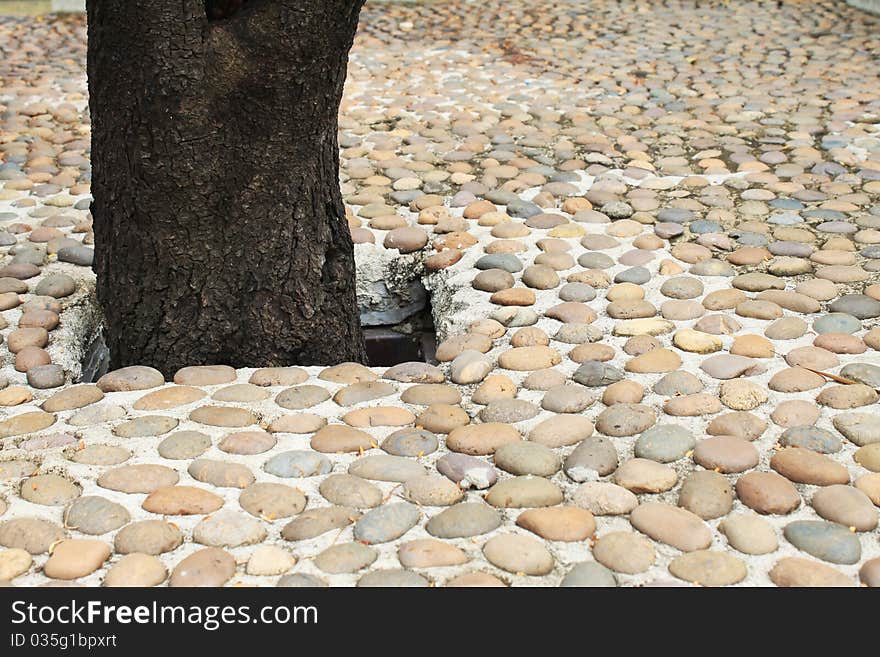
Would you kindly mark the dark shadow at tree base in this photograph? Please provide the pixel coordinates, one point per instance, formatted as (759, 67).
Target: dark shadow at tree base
(218, 10)
(386, 346)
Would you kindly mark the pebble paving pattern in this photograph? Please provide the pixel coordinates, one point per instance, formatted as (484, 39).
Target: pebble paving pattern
(651, 232)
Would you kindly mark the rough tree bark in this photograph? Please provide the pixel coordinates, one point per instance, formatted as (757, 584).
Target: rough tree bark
(220, 233)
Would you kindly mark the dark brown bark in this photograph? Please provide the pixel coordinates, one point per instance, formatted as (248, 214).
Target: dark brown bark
(220, 233)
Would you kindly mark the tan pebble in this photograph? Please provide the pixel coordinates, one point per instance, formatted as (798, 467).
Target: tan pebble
(170, 397)
(696, 341)
(800, 572)
(840, 343)
(515, 296)
(481, 439)
(868, 457)
(645, 476)
(529, 336)
(379, 416)
(742, 395)
(767, 493)
(592, 351)
(671, 525)
(625, 292)
(74, 558)
(624, 552)
(641, 344)
(657, 360)
(136, 570)
(795, 379)
(753, 346)
(477, 579)
(563, 523)
(804, 466)
(795, 413)
(430, 553)
(749, 533)
(14, 562)
(708, 568)
(847, 396)
(269, 560)
(623, 392)
(297, 423)
(869, 484)
(493, 388)
(442, 418)
(529, 358)
(693, 405)
(519, 554)
(337, 438)
(15, 395)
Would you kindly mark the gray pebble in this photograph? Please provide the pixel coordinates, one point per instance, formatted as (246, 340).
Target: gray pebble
(589, 574)
(46, 376)
(592, 458)
(386, 523)
(664, 443)
(467, 470)
(298, 463)
(527, 458)
(77, 255)
(813, 438)
(392, 578)
(410, 442)
(596, 374)
(464, 520)
(824, 540)
(56, 285)
(95, 515)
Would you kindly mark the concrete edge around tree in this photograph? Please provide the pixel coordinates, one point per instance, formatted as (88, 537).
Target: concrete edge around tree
(872, 6)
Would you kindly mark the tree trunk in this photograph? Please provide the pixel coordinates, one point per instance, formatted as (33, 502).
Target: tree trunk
(220, 233)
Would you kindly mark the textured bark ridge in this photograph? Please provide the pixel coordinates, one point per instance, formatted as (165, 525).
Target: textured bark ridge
(220, 233)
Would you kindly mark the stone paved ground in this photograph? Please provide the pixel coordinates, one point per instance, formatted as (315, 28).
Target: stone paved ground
(651, 232)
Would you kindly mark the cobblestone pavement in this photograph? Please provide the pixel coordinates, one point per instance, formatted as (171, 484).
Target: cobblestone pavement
(651, 234)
